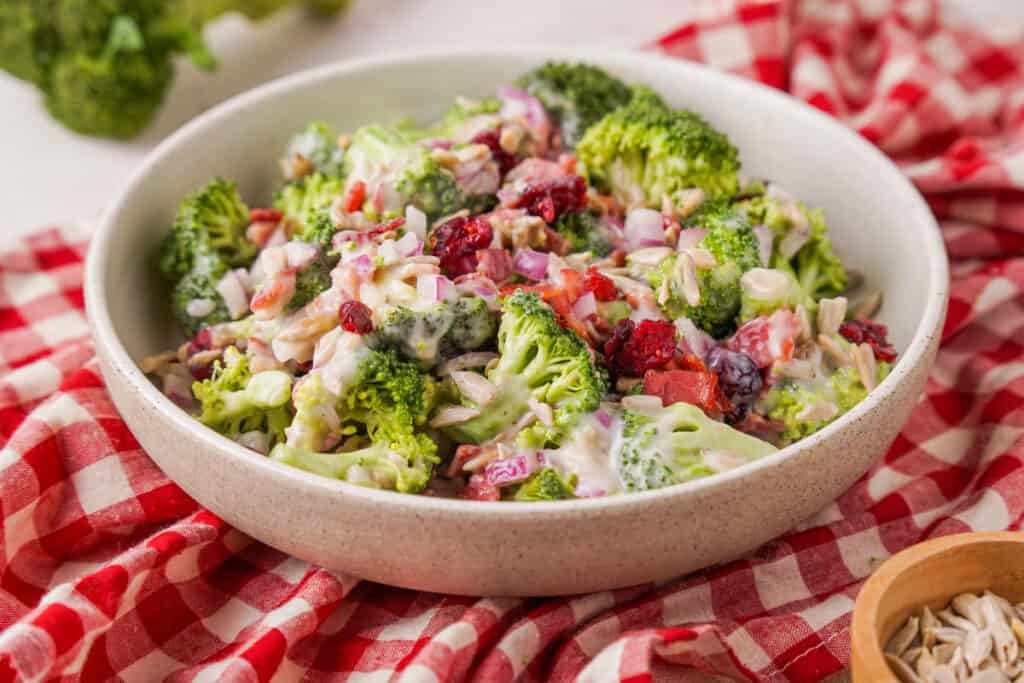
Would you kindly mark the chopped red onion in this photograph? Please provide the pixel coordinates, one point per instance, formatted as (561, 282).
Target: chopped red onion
(518, 102)
(435, 288)
(644, 229)
(231, 287)
(584, 491)
(438, 143)
(416, 223)
(513, 470)
(409, 245)
(690, 238)
(765, 240)
(604, 418)
(699, 341)
(495, 264)
(364, 265)
(530, 263)
(585, 306)
(179, 390)
(299, 254)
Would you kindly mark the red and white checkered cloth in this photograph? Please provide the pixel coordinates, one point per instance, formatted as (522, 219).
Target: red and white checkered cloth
(109, 571)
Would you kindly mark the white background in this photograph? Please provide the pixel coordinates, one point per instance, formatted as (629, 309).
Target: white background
(49, 175)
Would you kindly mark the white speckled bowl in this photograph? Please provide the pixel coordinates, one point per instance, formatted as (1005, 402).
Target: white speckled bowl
(880, 226)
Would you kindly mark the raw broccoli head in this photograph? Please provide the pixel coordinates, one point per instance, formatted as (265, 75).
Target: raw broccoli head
(538, 360)
(815, 265)
(441, 331)
(754, 304)
(307, 202)
(310, 281)
(788, 399)
(319, 145)
(413, 173)
(200, 284)
(584, 232)
(645, 150)
(234, 401)
(547, 484)
(104, 65)
(576, 96)
(211, 220)
(732, 243)
(667, 445)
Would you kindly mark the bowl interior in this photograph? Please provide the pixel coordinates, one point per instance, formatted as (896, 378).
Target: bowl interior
(878, 227)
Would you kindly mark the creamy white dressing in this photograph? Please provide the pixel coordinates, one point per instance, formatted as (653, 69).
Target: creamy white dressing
(588, 456)
(342, 354)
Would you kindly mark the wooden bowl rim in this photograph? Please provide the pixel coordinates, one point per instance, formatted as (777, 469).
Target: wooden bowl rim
(865, 642)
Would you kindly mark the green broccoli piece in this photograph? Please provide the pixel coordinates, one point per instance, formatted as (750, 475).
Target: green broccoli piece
(576, 96)
(234, 401)
(310, 281)
(788, 399)
(210, 221)
(200, 285)
(538, 360)
(441, 331)
(417, 178)
(667, 446)
(104, 66)
(546, 484)
(732, 242)
(307, 201)
(460, 113)
(815, 265)
(319, 145)
(643, 151)
(584, 232)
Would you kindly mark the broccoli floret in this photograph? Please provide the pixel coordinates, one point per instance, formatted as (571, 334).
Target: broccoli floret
(455, 120)
(414, 174)
(307, 202)
(732, 243)
(815, 265)
(667, 446)
(576, 96)
(234, 401)
(546, 484)
(584, 232)
(310, 281)
(319, 145)
(643, 151)
(199, 288)
(104, 65)
(538, 360)
(788, 399)
(441, 331)
(211, 220)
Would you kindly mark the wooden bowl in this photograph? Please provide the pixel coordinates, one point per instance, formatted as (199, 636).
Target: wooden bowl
(930, 573)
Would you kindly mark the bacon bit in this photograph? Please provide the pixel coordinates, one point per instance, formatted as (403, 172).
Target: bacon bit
(271, 299)
(479, 488)
(495, 264)
(386, 227)
(572, 284)
(555, 242)
(259, 232)
(601, 285)
(355, 197)
(756, 425)
(683, 386)
(567, 162)
(618, 257)
(271, 215)
(463, 454)
(555, 297)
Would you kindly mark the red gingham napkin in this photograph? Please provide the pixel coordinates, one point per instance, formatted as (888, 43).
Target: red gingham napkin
(108, 570)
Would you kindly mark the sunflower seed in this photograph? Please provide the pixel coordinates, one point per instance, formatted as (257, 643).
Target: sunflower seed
(902, 639)
(902, 669)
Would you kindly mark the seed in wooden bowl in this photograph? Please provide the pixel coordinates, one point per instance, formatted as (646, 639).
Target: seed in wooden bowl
(974, 639)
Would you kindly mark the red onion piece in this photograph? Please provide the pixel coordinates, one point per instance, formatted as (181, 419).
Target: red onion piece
(585, 306)
(699, 341)
(435, 288)
(409, 245)
(530, 263)
(518, 101)
(495, 264)
(364, 265)
(690, 238)
(644, 229)
(604, 418)
(513, 470)
(584, 491)
(438, 143)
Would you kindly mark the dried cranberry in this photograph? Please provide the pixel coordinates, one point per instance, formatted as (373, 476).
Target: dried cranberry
(203, 341)
(267, 215)
(552, 198)
(601, 285)
(506, 162)
(355, 317)
(738, 375)
(870, 333)
(456, 242)
(633, 349)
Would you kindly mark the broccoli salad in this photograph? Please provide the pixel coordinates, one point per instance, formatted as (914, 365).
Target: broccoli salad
(566, 289)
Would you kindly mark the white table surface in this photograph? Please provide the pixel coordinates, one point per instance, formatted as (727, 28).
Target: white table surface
(50, 175)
